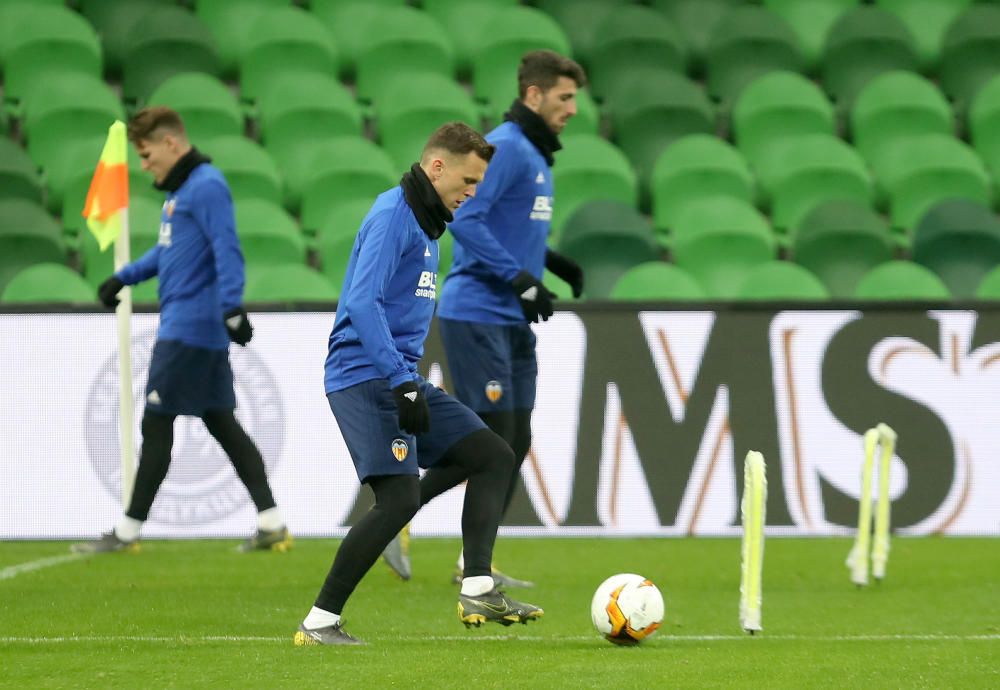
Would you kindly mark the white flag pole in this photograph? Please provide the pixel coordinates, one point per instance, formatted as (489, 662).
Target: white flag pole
(126, 404)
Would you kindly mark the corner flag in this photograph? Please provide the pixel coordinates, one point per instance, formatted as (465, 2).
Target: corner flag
(107, 198)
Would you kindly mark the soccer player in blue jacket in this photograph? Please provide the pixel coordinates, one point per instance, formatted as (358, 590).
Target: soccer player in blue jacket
(392, 420)
(200, 269)
(494, 291)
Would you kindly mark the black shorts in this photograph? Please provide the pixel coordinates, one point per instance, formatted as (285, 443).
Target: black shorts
(188, 380)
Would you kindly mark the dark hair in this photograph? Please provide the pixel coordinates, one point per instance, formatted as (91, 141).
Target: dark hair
(459, 138)
(542, 68)
(146, 123)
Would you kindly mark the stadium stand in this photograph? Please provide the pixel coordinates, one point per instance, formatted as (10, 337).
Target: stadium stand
(656, 280)
(48, 282)
(960, 241)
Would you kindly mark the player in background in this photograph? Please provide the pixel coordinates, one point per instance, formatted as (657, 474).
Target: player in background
(494, 291)
(392, 420)
(198, 261)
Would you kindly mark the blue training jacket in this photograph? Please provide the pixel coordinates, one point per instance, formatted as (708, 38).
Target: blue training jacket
(198, 261)
(387, 302)
(500, 232)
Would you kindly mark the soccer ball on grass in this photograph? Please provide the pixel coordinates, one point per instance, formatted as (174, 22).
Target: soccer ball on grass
(627, 608)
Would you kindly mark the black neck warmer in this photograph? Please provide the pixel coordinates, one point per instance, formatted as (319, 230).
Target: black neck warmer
(181, 170)
(534, 127)
(423, 199)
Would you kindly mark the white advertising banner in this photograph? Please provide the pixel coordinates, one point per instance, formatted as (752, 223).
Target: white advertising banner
(640, 427)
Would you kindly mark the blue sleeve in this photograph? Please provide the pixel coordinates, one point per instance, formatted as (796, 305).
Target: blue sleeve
(380, 246)
(214, 212)
(143, 268)
(469, 226)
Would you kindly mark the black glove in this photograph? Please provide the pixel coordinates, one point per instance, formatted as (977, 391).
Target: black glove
(535, 298)
(107, 292)
(566, 269)
(414, 415)
(238, 325)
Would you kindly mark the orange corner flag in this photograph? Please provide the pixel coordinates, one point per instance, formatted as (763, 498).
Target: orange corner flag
(107, 198)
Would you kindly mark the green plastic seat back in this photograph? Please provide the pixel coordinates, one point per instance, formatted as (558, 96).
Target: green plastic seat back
(657, 280)
(285, 41)
(629, 36)
(970, 54)
(590, 168)
(696, 21)
(840, 241)
(810, 20)
(582, 21)
(231, 22)
(249, 170)
(989, 288)
(207, 107)
(984, 124)
(288, 283)
(348, 21)
(778, 105)
(901, 280)
(335, 238)
(28, 235)
(168, 40)
(18, 174)
(927, 20)
(865, 42)
(114, 20)
(695, 167)
(48, 282)
(960, 241)
(268, 235)
(781, 280)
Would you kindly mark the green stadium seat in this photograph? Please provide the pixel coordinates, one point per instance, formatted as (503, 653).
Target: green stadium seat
(268, 235)
(288, 283)
(114, 20)
(300, 110)
(656, 280)
(989, 288)
(65, 108)
(781, 280)
(746, 43)
(48, 282)
(984, 126)
(581, 20)
(927, 20)
(285, 41)
(250, 170)
(401, 40)
(18, 173)
(231, 22)
(894, 107)
(901, 280)
(649, 110)
(607, 238)
(696, 20)
(75, 173)
(511, 32)
(413, 106)
(348, 21)
(811, 21)
(44, 40)
(719, 240)
(464, 28)
(589, 168)
(166, 41)
(632, 36)
(207, 106)
(970, 54)
(693, 168)
(143, 231)
(929, 169)
(28, 235)
(775, 106)
(339, 170)
(840, 241)
(335, 238)
(865, 42)
(802, 171)
(960, 241)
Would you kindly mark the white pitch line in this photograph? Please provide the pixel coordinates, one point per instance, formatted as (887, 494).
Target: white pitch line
(13, 571)
(472, 637)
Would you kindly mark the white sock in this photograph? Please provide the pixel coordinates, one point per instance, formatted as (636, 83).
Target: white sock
(128, 528)
(270, 520)
(461, 560)
(474, 586)
(318, 618)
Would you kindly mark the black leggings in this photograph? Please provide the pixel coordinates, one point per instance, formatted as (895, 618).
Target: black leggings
(154, 458)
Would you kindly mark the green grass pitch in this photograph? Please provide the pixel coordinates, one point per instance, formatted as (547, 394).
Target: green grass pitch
(196, 614)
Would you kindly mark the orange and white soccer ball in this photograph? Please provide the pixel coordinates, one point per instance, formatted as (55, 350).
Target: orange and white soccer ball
(627, 608)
